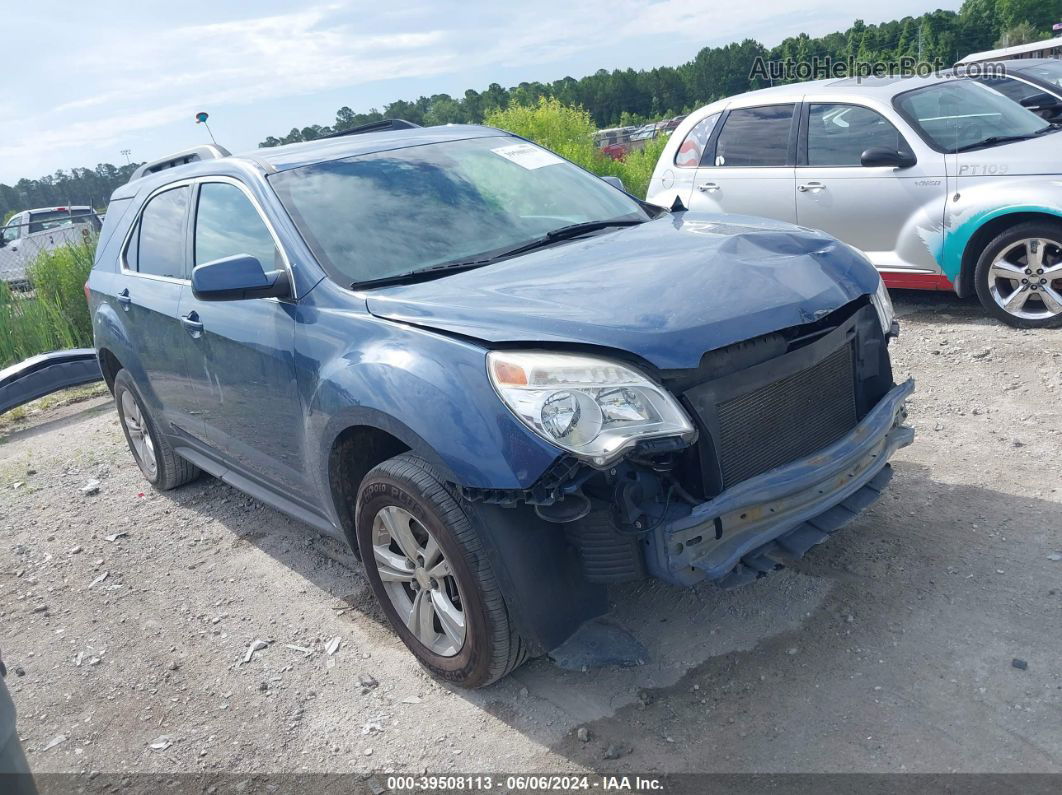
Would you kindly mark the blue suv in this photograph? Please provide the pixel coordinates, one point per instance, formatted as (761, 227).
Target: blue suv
(504, 381)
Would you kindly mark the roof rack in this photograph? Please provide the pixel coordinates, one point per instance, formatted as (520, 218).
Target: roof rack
(204, 152)
(373, 126)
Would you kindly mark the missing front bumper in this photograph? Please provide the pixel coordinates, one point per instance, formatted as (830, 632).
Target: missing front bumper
(748, 529)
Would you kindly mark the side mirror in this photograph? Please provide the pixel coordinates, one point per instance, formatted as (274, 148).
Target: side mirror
(238, 278)
(878, 156)
(615, 182)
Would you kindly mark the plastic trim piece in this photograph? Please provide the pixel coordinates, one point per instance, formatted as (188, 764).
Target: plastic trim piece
(41, 375)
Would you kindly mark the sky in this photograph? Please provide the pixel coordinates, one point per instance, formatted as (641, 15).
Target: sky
(85, 80)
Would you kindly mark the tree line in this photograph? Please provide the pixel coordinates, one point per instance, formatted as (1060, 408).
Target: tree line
(627, 96)
(79, 186)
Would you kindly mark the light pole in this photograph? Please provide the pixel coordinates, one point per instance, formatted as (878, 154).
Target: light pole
(127, 152)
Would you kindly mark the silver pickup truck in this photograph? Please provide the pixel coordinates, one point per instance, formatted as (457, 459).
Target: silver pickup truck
(29, 232)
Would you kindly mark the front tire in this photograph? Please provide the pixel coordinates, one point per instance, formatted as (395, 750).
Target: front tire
(162, 467)
(427, 565)
(1019, 275)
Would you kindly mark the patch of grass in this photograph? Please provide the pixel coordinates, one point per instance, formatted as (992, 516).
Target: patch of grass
(54, 315)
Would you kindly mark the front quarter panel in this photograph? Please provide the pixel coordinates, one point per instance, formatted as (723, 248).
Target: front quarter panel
(428, 390)
(978, 200)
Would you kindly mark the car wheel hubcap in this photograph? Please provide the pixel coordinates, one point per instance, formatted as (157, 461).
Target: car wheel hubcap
(143, 446)
(1026, 279)
(418, 580)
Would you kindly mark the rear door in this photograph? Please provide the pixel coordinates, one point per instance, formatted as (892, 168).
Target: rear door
(155, 274)
(882, 210)
(675, 180)
(241, 356)
(748, 165)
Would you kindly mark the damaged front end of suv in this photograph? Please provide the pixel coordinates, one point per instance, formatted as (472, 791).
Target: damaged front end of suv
(765, 449)
(711, 432)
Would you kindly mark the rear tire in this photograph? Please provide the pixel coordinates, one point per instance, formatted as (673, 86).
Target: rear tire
(427, 565)
(1019, 275)
(162, 467)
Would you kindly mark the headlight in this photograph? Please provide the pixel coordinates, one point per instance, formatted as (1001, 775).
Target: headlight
(883, 303)
(592, 407)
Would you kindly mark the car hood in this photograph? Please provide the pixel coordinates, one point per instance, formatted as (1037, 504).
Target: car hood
(1036, 156)
(668, 290)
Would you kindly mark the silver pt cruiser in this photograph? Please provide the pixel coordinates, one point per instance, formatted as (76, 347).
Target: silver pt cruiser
(945, 184)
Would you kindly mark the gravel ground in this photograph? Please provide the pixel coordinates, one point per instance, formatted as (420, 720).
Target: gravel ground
(129, 618)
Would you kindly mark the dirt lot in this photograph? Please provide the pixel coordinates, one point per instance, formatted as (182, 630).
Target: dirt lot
(126, 616)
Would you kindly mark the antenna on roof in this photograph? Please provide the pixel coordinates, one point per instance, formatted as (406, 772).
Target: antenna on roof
(201, 118)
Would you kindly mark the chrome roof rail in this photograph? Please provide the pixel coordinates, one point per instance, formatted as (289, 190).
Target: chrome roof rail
(204, 152)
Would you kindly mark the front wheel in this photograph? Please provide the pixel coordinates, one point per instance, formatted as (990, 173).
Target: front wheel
(1019, 276)
(427, 565)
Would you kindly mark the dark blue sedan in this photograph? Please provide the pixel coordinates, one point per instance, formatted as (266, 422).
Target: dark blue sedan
(506, 382)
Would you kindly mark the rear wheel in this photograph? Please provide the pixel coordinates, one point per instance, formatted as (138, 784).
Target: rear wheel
(426, 563)
(1019, 276)
(162, 467)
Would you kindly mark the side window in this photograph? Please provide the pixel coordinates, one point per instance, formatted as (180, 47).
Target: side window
(755, 137)
(838, 134)
(158, 243)
(689, 154)
(1009, 87)
(227, 224)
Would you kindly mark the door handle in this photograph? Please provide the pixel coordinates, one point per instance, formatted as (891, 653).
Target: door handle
(192, 323)
(811, 187)
(708, 186)
(124, 299)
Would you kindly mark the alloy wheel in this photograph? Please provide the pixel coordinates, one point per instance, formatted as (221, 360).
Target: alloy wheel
(143, 446)
(1025, 279)
(418, 580)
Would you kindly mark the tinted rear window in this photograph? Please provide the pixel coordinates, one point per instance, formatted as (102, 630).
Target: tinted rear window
(755, 137)
(161, 246)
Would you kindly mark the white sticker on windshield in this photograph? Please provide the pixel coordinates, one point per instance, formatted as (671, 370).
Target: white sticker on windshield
(528, 156)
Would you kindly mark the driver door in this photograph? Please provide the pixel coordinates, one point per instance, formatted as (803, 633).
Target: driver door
(241, 352)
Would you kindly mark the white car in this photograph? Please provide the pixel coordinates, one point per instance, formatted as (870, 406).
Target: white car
(30, 232)
(944, 184)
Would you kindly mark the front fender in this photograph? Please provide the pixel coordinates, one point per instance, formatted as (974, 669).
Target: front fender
(428, 390)
(985, 201)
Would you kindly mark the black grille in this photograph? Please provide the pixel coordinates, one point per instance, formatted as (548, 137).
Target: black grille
(786, 419)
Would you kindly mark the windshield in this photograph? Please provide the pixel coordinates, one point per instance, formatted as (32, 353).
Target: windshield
(961, 113)
(1050, 72)
(387, 213)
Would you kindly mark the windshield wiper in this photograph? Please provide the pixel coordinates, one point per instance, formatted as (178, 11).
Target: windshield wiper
(993, 140)
(408, 276)
(548, 239)
(561, 233)
(574, 230)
